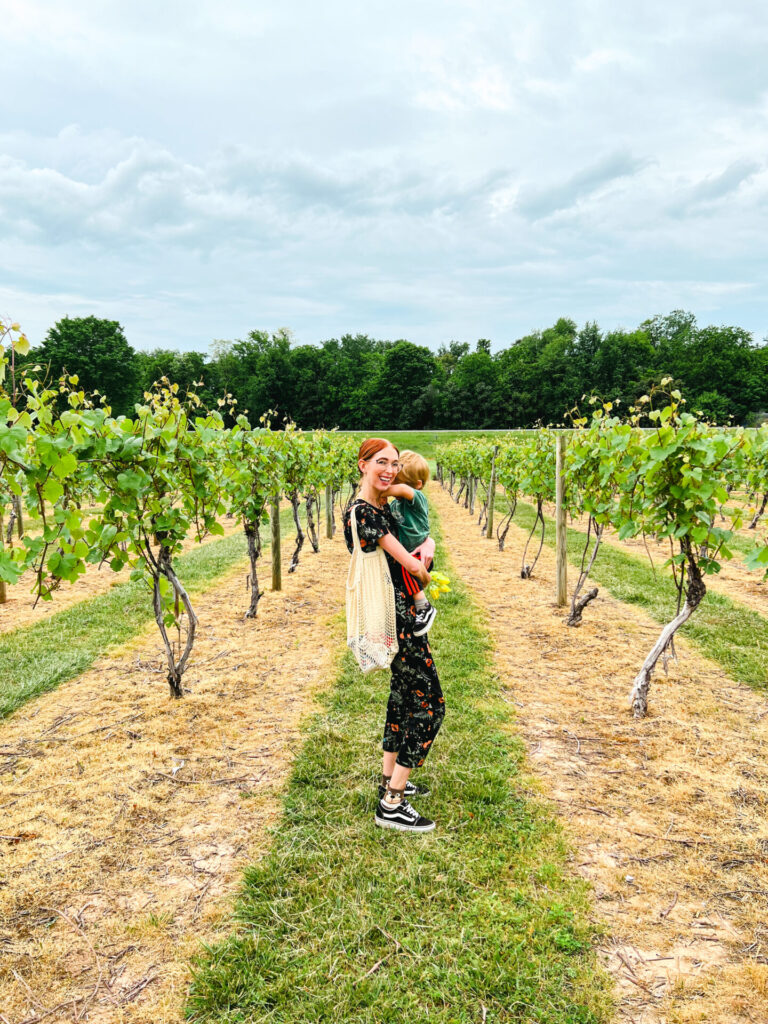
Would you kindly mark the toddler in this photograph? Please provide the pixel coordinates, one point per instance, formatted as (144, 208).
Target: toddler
(411, 511)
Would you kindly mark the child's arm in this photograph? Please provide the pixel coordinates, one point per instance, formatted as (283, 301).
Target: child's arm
(400, 491)
(415, 567)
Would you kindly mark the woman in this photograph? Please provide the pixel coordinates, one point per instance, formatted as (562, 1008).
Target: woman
(416, 707)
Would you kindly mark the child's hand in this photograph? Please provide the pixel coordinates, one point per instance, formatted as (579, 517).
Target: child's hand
(425, 551)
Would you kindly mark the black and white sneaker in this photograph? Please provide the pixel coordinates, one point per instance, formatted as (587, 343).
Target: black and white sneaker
(424, 619)
(411, 789)
(402, 817)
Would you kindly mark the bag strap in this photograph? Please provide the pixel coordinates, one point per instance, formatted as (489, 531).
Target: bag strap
(353, 523)
(357, 553)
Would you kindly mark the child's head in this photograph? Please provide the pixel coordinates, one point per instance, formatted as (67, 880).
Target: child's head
(414, 470)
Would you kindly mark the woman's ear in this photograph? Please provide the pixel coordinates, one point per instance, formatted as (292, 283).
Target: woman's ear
(361, 466)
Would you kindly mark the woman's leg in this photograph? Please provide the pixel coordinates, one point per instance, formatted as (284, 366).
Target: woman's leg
(395, 730)
(414, 714)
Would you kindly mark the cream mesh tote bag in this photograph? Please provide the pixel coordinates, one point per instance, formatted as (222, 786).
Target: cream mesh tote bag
(371, 625)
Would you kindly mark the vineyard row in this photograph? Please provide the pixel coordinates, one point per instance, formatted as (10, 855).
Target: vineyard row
(659, 472)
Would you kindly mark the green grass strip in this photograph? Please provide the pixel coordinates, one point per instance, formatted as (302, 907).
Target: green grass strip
(37, 658)
(734, 636)
(744, 545)
(425, 441)
(344, 922)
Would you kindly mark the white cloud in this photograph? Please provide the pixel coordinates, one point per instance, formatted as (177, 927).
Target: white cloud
(598, 60)
(537, 202)
(434, 170)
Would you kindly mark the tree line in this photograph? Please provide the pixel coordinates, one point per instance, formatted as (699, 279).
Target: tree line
(359, 383)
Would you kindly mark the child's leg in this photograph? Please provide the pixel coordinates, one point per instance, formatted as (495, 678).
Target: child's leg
(413, 588)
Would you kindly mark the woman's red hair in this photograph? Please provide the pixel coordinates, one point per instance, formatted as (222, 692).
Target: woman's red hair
(373, 445)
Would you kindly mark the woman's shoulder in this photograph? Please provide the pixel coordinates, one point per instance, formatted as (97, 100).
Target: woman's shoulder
(366, 510)
(362, 509)
(376, 517)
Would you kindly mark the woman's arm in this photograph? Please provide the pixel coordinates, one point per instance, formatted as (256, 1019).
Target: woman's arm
(416, 568)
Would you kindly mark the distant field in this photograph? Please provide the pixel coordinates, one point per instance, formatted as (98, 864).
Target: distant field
(422, 441)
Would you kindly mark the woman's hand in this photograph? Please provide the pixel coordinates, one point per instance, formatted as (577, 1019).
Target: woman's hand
(420, 572)
(414, 566)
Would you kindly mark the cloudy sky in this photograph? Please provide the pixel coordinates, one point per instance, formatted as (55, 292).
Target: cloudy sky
(430, 169)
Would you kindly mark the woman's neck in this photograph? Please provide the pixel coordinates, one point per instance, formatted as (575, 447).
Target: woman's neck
(367, 493)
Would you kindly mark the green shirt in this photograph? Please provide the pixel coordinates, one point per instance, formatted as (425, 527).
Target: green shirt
(412, 519)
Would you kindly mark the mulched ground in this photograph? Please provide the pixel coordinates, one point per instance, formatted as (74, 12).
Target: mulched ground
(667, 816)
(127, 816)
(19, 608)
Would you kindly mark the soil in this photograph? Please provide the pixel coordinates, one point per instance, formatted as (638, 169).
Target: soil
(734, 579)
(127, 816)
(666, 816)
(19, 609)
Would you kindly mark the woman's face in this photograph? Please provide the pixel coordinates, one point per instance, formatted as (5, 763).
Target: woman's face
(380, 470)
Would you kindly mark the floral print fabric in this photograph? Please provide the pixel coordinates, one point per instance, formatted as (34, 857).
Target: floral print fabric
(416, 707)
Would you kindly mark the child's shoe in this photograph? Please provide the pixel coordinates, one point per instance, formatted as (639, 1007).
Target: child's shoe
(424, 619)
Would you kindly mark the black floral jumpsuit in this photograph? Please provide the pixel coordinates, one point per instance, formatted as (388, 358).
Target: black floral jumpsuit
(416, 706)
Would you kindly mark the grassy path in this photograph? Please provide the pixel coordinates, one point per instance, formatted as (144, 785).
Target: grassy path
(37, 658)
(731, 634)
(480, 920)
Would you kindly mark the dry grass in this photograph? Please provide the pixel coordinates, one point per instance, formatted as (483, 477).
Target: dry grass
(127, 816)
(19, 609)
(734, 579)
(668, 815)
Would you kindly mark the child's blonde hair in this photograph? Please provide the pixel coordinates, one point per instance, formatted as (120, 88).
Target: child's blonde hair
(413, 467)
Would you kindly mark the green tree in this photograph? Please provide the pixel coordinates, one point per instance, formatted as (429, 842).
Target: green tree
(471, 391)
(98, 352)
(183, 368)
(623, 366)
(448, 356)
(395, 395)
(256, 371)
(537, 380)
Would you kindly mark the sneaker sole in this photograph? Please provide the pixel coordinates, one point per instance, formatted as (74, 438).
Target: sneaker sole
(402, 828)
(426, 629)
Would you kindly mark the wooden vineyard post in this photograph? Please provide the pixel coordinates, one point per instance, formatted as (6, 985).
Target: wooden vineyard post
(472, 485)
(274, 515)
(329, 512)
(3, 591)
(561, 536)
(491, 494)
(18, 509)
